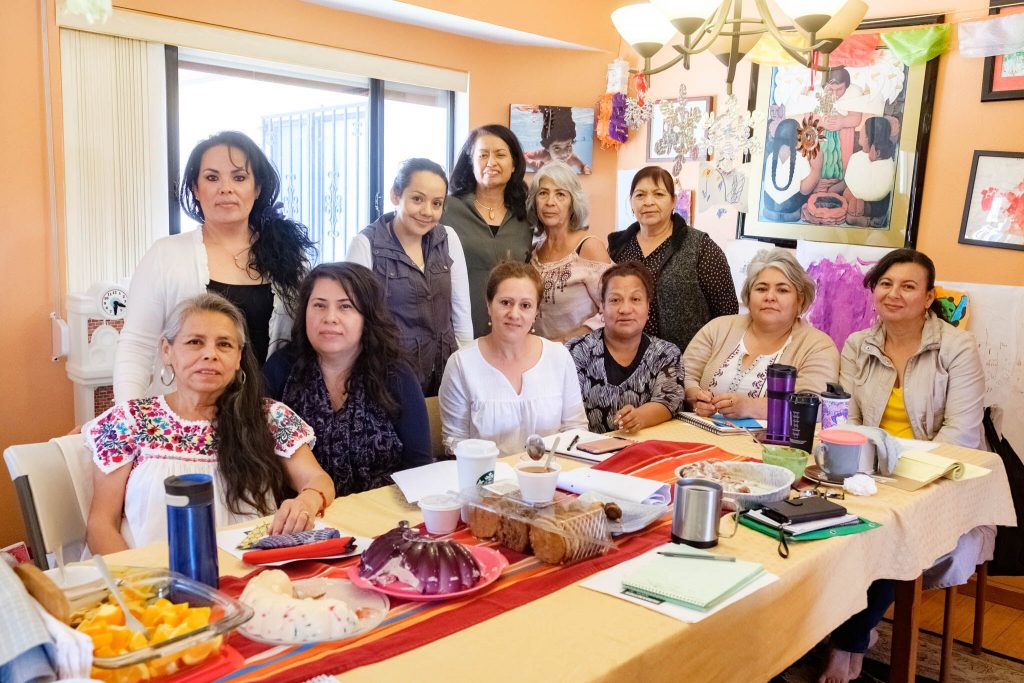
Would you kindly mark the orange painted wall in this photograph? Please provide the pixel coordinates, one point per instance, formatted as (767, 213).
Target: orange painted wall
(961, 124)
(37, 395)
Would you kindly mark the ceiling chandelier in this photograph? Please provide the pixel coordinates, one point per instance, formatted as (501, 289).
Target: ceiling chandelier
(819, 26)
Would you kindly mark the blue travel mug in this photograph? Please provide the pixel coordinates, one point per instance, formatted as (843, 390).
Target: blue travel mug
(191, 528)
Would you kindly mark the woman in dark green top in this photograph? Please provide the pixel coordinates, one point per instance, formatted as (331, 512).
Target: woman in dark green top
(488, 209)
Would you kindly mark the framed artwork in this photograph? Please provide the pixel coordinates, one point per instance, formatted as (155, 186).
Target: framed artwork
(842, 162)
(994, 207)
(684, 204)
(547, 132)
(657, 124)
(1004, 74)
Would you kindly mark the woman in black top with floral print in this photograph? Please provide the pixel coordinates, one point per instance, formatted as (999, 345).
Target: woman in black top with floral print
(344, 374)
(691, 275)
(629, 379)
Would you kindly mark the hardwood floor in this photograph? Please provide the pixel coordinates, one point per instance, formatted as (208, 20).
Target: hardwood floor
(1004, 626)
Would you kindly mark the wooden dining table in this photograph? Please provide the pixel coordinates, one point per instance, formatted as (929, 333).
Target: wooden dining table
(577, 634)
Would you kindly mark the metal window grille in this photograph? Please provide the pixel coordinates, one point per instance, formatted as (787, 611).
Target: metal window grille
(322, 156)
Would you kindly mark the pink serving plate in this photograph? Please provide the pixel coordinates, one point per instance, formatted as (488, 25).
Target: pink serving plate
(491, 565)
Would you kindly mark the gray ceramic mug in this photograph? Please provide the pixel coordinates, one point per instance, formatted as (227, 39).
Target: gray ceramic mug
(838, 454)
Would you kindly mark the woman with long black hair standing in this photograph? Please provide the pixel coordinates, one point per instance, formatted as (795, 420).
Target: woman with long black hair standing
(245, 250)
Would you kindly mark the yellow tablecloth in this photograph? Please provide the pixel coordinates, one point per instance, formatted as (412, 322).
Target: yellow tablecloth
(576, 634)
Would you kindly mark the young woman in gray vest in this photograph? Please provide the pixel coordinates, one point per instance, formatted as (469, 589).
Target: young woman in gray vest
(421, 267)
(488, 209)
(691, 276)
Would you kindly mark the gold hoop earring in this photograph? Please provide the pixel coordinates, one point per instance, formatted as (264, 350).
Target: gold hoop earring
(163, 378)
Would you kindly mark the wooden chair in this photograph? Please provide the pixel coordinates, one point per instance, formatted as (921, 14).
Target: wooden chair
(434, 419)
(980, 586)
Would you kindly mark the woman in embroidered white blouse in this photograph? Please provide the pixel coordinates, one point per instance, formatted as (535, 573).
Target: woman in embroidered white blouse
(215, 422)
(727, 361)
(510, 383)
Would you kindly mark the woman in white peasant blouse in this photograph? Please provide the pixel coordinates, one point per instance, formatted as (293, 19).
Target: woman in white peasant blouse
(510, 383)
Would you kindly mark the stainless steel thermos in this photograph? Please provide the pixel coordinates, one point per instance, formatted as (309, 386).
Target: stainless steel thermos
(695, 512)
(191, 528)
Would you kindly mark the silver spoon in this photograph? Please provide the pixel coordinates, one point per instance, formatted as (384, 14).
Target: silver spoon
(551, 453)
(129, 619)
(535, 447)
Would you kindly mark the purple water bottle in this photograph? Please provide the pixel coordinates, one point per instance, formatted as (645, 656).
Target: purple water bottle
(191, 528)
(781, 383)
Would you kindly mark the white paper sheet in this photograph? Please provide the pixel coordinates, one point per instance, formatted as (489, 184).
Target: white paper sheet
(438, 477)
(610, 581)
(624, 486)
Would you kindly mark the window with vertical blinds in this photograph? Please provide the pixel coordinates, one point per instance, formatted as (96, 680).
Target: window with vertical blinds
(115, 165)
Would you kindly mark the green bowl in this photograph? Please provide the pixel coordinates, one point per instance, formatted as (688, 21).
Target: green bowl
(793, 459)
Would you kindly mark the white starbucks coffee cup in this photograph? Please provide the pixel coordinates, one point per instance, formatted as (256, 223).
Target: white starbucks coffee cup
(475, 460)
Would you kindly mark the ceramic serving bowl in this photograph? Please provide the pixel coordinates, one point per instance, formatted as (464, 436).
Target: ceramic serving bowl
(793, 459)
(767, 483)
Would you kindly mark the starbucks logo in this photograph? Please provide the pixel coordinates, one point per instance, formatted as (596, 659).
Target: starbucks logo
(486, 478)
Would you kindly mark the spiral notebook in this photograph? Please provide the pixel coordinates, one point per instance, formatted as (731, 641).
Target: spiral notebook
(720, 425)
(699, 584)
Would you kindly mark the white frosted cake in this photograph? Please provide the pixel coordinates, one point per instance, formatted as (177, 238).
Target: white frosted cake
(280, 616)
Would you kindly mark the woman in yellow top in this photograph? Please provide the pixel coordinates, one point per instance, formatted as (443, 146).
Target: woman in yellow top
(915, 376)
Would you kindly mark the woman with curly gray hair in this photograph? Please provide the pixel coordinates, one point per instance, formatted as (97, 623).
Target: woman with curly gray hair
(727, 360)
(570, 261)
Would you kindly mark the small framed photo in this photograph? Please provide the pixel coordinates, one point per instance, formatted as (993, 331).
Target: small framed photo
(994, 207)
(657, 124)
(1004, 74)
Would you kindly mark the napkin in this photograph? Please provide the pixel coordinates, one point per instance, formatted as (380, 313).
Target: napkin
(72, 650)
(335, 546)
(622, 486)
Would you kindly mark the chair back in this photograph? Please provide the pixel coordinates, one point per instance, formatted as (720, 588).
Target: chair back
(434, 419)
(53, 481)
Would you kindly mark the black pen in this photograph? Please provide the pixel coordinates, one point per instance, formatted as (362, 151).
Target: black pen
(573, 442)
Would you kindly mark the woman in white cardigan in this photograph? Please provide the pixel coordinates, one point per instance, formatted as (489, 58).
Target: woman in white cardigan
(245, 250)
(510, 383)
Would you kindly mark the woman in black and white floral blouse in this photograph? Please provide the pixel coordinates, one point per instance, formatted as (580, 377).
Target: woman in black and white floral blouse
(630, 380)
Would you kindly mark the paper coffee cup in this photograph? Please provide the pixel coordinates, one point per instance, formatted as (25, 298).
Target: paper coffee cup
(476, 460)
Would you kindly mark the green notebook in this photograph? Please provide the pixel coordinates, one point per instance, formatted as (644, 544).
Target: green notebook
(697, 584)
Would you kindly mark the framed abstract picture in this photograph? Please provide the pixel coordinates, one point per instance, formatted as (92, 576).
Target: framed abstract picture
(656, 127)
(842, 162)
(1004, 74)
(994, 207)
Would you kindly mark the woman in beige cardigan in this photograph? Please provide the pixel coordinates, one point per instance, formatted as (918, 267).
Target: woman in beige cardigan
(727, 361)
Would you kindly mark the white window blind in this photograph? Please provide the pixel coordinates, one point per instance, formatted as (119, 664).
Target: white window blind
(115, 153)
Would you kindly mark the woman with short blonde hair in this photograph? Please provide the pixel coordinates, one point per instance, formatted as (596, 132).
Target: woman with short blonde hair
(727, 361)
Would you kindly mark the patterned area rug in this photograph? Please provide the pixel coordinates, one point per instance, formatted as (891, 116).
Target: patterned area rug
(967, 668)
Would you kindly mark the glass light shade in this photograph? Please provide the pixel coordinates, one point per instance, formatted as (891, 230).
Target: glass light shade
(722, 46)
(845, 21)
(810, 15)
(643, 27)
(687, 15)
